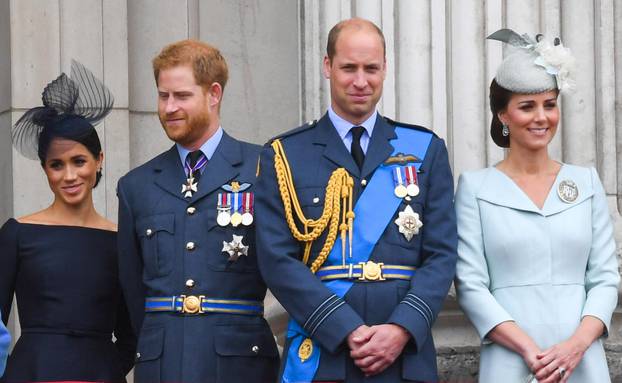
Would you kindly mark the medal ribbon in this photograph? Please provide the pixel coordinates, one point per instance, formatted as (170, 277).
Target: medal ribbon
(411, 175)
(247, 204)
(398, 175)
(236, 202)
(191, 170)
(369, 225)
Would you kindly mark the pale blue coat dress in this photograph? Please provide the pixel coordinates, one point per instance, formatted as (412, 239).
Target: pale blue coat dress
(544, 269)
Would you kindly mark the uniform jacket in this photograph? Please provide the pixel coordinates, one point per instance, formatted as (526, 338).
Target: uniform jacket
(174, 347)
(544, 268)
(314, 152)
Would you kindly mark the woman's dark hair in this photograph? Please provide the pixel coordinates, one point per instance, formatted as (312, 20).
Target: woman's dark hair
(73, 128)
(499, 100)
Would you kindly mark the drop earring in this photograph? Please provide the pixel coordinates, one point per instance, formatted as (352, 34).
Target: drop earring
(505, 131)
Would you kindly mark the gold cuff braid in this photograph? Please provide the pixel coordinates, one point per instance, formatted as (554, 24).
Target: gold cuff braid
(337, 206)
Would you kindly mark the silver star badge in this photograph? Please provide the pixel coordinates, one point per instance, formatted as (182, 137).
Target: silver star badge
(408, 222)
(235, 248)
(189, 187)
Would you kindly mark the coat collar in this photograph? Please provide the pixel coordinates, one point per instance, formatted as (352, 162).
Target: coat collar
(499, 189)
(378, 151)
(219, 170)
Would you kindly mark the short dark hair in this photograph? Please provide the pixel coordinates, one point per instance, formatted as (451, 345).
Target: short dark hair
(73, 128)
(357, 23)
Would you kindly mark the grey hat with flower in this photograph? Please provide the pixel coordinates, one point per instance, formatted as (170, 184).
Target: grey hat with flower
(537, 65)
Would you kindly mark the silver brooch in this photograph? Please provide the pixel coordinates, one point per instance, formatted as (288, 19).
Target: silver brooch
(568, 191)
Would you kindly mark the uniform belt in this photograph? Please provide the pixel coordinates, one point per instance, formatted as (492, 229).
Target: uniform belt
(366, 272)
(199, 304)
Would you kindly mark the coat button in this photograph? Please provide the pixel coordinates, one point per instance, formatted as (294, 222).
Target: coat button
(363, 182)
(316, 199)
(255, 349)
(149, 232)
(191, 210)
(190, 283)
(137, 355)
(190, 246)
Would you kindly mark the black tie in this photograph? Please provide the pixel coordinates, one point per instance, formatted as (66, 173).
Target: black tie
(193, 158)
(356, 150)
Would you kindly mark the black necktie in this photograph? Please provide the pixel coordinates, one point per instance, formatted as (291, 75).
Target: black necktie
(356, 150)
(193, 158)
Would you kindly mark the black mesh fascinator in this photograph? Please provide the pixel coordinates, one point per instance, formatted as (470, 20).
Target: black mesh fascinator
(71, 108)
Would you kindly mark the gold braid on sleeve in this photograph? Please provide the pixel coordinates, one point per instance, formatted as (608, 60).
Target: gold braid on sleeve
(337, 207)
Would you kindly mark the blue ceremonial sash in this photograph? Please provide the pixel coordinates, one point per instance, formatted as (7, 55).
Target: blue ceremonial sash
(5, 340)
(369, 224)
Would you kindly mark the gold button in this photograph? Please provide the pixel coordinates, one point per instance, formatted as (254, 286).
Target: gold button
(190, 246)
(363, 182)
(191, 210)
(255, 349)
(149, 232)
(316, 199)
(190, 283)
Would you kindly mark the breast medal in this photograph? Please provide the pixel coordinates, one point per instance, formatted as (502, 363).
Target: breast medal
(408, 223)
(568, 191)
(236, 217)
(224, 209)
(247, 208)
(412, 187)
(235, 249)
(400, 190)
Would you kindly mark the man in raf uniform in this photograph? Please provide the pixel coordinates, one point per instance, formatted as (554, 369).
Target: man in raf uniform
(187, 255)
(356, 234)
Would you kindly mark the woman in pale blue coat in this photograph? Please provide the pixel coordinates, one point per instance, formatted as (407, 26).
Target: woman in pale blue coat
(537, 272)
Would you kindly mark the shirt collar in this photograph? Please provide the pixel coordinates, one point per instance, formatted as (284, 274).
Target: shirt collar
(208, 148)
(343, 126)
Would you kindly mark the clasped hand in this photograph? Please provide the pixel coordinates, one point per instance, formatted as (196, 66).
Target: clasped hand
(566, 356)
(375, 348)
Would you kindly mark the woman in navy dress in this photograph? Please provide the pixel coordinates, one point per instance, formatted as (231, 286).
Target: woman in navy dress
(61, 262)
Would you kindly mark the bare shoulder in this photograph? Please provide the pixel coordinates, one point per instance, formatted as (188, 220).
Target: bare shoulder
(105, 224)
(39, 217)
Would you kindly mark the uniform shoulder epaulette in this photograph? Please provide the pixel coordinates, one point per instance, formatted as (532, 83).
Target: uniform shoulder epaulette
(306, 126)
(412, 126)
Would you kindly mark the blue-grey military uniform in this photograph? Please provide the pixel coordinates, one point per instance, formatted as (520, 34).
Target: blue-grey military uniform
(314, 151)
(171, 249)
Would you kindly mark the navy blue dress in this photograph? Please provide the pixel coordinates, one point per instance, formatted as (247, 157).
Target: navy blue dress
(65, 279)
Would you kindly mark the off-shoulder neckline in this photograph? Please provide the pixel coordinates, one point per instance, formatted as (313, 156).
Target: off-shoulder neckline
(63, 226)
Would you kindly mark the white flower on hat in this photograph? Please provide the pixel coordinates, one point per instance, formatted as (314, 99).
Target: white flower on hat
(558, 61)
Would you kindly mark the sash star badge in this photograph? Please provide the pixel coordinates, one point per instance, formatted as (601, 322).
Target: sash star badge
(235, 248)
(408, 222)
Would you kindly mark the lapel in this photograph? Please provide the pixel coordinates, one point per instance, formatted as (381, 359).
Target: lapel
(170, 174)
(335, 150)
(221, 168)
(499, 189)
(379, 148)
